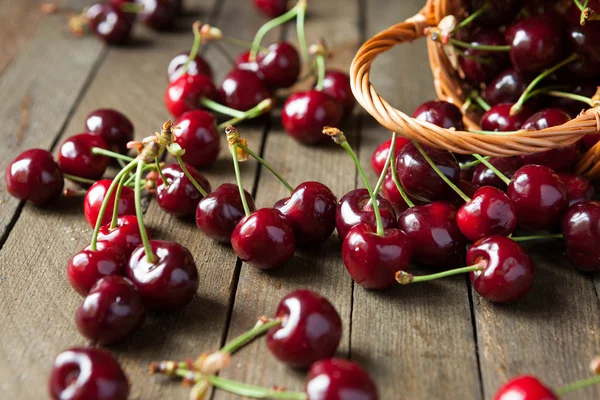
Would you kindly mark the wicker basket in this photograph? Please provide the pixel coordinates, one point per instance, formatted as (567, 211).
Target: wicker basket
(450, 88)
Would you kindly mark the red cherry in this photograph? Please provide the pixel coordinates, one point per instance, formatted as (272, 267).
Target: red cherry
(483, 176)
(578, 188)
(440, 113)
(169, 283)
(198, 66)
(218, 214)
(508, 270)
(390, 192)
(75, 156)
(337, 85)
(574, 107)
(580, 226)
(310, 330)
(243, 90)
(498, 118)
(185, 93)
(476, 71)
(310, 210)
(305, 114)
(180, 197)
(158, 14)
(525, 387)
(498, 12)
(109, 23)
(355, 208)
(92, 202)
(280, 65)
(489, 213)
(115, 128)
(583, 40)
(125, 236)
(87, 267)
(197, 134)
(506, 87)
(383, 150)
(264, 239)
(87, 374)
(271, 8)
(111, 312)
(34, 176)
(338, 379)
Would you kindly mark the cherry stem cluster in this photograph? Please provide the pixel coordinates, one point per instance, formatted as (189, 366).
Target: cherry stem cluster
(254, 112)
(150, 256)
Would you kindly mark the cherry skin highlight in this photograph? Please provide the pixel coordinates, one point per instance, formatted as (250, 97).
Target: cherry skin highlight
(125, 236)
(158, 14)
(580, 227)
(525, 387)
(506, 87)
(114, 127)
(243, 90)
(34, 176)
(280, 65)
(75, 156)
(185, 93)
(87, 267)
(498, 118)
(94, 197)
(339, 379)
(440, 113)
(198, 66)
(197, 134)
(355, 208)
(109, 23)
(180, 197)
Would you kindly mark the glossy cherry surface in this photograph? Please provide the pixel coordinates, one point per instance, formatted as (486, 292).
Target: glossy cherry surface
(92, 202)
(197, 134)
(111, 312)
(373, 260)
(114, 127)
(525, 387)
(305, 114)
(440, 113)
(355, 208)
(158, 14)
(476, 71)
(339, 379)
(337, 85)
(483, 176)
(381, 153)
(506, 87)
(87, 267)
(498, 118)
(580, 227)
(179, 196)
(489, 213)
(583, 41)
(310, 210)
(198, 66)
(218, 214)
(185, 93)
(498, 12)
(75, 156)
(87, 374)
(109, 23)
(264, 239)
(34, 176)
(578, 188)
(125, 236)
(434, 234)
(280, 65)
(508, 272)
(310, 330)
(271, 8)
(539, 196)
(243, 90)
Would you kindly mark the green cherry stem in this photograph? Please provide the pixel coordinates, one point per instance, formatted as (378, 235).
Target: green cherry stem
(480, 101)
(252, 391)
(220, 108)
(150, 256)
(112, 154)
(238, 178)
(300, 29)
(240, 43)
(133, 8)
(399, 187)
(160, 172)
(563, 95)
(467, 21)
(254, 112)
(259, 329)
(478, 59)
(115, 214)
(405, 278)
(473, 163)
(579, 5)
(495, 170)
(571, 387)
(190, 177)
(195, 46)
(275, 22)
(386, 165)
(79, 179)
(266, 165)
(537, 237)
(320, 62)
(482, 47)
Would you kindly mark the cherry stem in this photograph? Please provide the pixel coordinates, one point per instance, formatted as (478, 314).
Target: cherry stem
(441, 174)
(473, 163)
(195, 46)
(571, 387)
(467, 21)
(220, 108)
(518, 106)
(320, 61)
(467, 104)
(275, 22)
(266, 165)
(495, 170)
(160, 172)
(399, 187)
(386, 165)
(480, 101)
(259, 329)
(115, 214)
(131, 179)
(536, 237)
(300, 29)
(132, 8)
(238, 178)
(478, 59)
(482, 47)
(190, 177)
(405, 278)
(254, 112)
(563, 95)
(581, 6)
(240, 43)
(150, 256)
(112, 154)
(79, 179)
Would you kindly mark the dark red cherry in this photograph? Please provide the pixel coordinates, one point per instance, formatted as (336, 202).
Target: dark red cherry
(264, 239)
(506, 87)
(280, 65)
(420, 180)
(477, 72)
(158, 14)
(170, 282)
(87, 374)
(498, 118)
(34, 176)
(197, 134)
(489, 213)
(87, 267)
(305, 114)
(180, 197)
(539, 196)
(338, 379)
(125, 236)
(75, 156)
(111, 312)
(381, 153)
(580, 227)
(271, 8)
(310, 330)
(198, 66)
(310, 210)
(583, 40)
(434, 235)
(373, 260)
(498, 12)
(483, 176)
(337, 85)
(440, 113)
(243, 90)
(508, 272)
(525, 387)
(92, 202)
(536, 44)
(218, 214)
(185, 93)
(355, 208)
(390, 192)
(574, 107)
(109, 23)
(115, 128)
(578, 188)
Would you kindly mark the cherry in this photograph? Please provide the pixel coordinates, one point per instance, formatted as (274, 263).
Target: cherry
(197, 134)
(338, 379)
(125, 236)
(578, 188)
(111, 312)
(271, 8)
(539, 196)
(574, 107)
(75, 156)
(355, 208)
(525, 387)
(218, 214)
(305, 114)
(243, 90)
(109, 23)
(88, 266)
(536, 44)
(483, 176)
(337, 85)
(580, 226)
(185, 93)
(198, 66)
(310, 210)
(489, 213)
(310, 329)
(476, 71)
(168, 283)
(94, 197)
(180, 197)
(373, 260)
(158, 14)
(583, 40)
(115, 128)
(434, 235)
(87, 374)
(34, 176)
(383, 150)
(506, 87)
(498, 12)
(264, 239)
(280, 65)
(420, 180)
(440, 113)
(498, 118)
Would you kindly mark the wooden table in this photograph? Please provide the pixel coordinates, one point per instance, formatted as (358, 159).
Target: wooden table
(427, 341)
